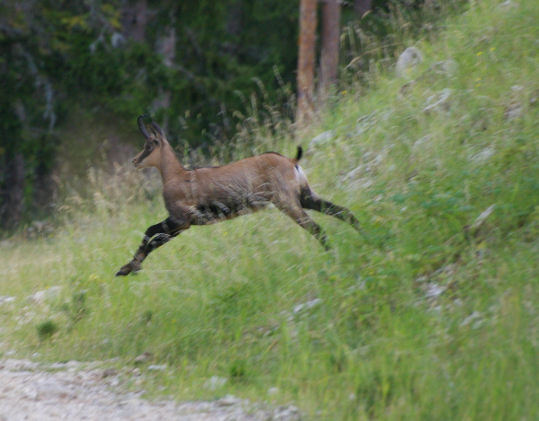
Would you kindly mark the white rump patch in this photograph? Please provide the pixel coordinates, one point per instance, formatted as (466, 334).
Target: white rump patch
(300, 175)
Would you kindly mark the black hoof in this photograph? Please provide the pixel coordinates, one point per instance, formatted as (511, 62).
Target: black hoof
(127, 269)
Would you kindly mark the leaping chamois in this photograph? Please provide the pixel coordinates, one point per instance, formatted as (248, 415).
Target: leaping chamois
(208, 195)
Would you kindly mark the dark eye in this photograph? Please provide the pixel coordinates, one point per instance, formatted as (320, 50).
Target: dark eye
(155, 142)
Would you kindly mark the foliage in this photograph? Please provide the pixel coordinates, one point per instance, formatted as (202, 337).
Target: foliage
(46, 329)
(201, 68)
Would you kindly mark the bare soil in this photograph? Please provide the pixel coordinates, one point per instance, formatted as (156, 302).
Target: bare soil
(76, 391)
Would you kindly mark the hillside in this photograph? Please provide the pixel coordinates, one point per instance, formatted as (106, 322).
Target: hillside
(433, 317)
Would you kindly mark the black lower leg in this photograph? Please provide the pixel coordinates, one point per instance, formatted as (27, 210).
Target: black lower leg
(325, 206)
(320, 235)
(153, 240)
(340, 212)
(158, 241)
(159, 228)
(315, 229)
(154, 237)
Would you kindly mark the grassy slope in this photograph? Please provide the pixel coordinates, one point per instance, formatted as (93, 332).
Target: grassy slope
(383, 341)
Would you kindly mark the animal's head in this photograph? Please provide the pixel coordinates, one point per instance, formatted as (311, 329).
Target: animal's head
(150, 156)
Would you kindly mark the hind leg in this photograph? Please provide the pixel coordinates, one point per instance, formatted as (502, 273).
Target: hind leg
(310, 200)
(305, 221)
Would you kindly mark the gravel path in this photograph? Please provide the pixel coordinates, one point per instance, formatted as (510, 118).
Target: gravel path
(73, 391)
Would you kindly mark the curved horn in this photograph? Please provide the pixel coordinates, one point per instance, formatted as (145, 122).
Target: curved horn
(142, 127)
(157, 128)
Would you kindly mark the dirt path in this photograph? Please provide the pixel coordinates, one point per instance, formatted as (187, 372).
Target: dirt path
(75, 391)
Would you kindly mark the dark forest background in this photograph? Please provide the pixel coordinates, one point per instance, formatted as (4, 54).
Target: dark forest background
(191, 65)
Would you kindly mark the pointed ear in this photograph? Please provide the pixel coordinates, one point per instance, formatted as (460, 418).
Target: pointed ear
(158, 130)
(142, 127)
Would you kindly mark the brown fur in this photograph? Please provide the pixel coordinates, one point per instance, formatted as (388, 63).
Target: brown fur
(208, 195)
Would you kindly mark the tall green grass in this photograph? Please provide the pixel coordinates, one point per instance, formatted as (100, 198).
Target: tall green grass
(434, 318)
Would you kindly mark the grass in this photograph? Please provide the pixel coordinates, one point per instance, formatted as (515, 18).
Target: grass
(436, 318)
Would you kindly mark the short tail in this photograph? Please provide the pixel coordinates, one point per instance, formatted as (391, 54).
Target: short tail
(299, 154)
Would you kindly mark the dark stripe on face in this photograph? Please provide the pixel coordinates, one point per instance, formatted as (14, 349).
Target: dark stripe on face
(144, 154)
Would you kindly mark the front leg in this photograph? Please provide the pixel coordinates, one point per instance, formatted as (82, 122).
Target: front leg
(155, 236)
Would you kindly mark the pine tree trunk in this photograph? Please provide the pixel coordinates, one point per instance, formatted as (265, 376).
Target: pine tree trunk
(44, 189)
(362, 6)
(306, 60)
(134, 20)
(12, 194)
(329, 59)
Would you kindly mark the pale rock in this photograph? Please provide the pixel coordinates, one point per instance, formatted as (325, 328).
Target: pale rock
(307, 305)
(6, 299)
(215, 382)
(472, 317)
(445, 67)
(287, 413)
(508, 4)
(143, 358)
(434, 290)
(45, 295)
(483, 217)
(322, 138)
(272, 391)
(117, 40)
(157, 367)
(408, 60)
(484, 155)
(513, 111)
(438, 102)
(229, 400)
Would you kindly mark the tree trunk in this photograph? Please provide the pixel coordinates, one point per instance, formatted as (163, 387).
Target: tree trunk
(329, 59)
(306, 59)
(44, 189)
(134, 20)
(362, 6)
(234, 17)
(12, 193)
(166, 46)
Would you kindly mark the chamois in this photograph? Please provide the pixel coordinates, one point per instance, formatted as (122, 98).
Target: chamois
(208, 195)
